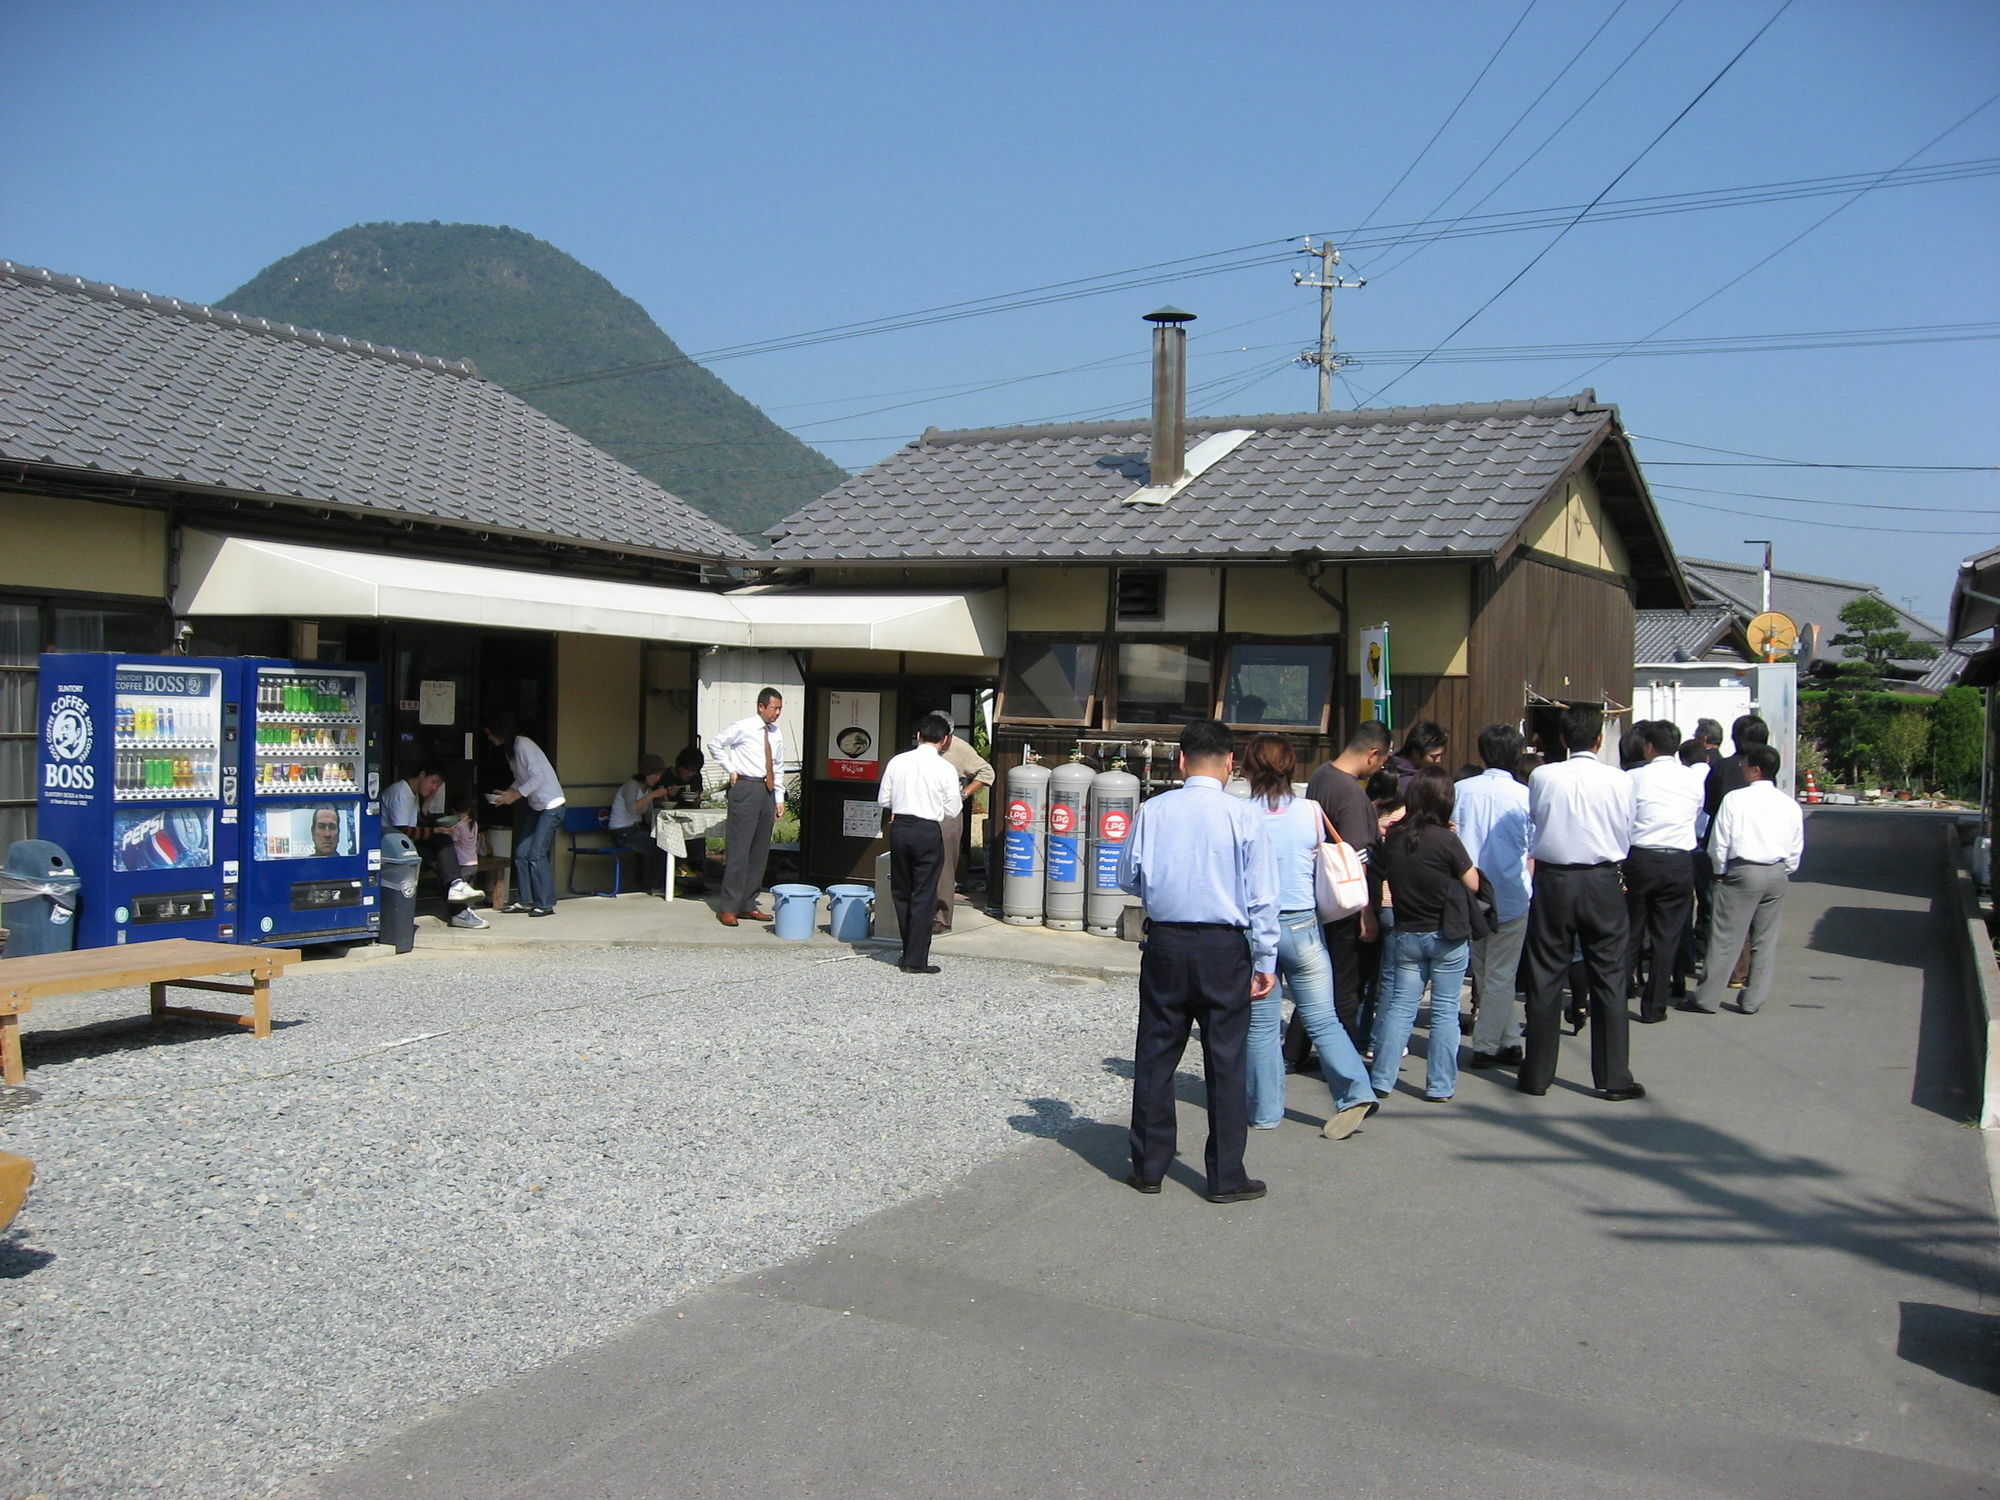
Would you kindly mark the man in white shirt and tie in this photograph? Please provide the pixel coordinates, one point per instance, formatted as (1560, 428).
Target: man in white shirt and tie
(1582, 811)
(1659, 870)
(752, 750)
(920, 791)
(1755, 843)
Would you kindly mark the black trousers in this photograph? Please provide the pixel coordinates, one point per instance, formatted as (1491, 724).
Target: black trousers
(1659, 890)
(1192, 976)
(916, 854)
(1572, 905)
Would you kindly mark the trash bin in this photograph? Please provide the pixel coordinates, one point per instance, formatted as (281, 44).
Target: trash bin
(847, 911)
(401, 864)
(797, 910)
(39, 890)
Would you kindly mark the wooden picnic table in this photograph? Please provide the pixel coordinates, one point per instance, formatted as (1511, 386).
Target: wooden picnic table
(179, 962)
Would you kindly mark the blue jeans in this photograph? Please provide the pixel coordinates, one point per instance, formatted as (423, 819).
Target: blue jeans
(534, 881)
(1306, 970)
(1414, 957)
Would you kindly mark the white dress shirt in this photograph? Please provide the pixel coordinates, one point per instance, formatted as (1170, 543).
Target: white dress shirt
(1582, 810)
(920, 783)
(740, 748)
(1666, 803)
(1758, 824)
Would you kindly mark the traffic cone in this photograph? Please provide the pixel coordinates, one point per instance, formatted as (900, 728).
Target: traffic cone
(1812, 790)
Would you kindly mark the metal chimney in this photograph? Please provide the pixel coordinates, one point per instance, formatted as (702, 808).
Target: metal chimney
(1168, 455)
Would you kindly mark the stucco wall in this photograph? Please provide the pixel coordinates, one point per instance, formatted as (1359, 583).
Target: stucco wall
(1573, 526)
(1429, 610)
(1057, 598)
(1275, 601)
(73, 544)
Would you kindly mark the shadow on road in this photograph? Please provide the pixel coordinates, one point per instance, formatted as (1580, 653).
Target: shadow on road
(1949, 1341)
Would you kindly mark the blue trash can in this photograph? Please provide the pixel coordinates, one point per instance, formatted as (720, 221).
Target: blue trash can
(38, 886)
(847, 911)
(797, 910)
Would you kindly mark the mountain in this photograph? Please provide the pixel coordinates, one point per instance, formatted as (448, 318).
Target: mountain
(526, 313)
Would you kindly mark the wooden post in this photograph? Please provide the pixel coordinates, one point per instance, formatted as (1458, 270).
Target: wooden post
(10, 1049)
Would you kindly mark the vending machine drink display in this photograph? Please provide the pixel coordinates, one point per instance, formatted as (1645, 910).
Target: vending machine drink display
(138, 786)
(311, 767)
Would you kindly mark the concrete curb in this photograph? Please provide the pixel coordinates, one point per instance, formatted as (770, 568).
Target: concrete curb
(1983, 983)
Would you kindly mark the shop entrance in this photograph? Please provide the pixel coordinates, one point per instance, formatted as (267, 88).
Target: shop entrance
(853, 726)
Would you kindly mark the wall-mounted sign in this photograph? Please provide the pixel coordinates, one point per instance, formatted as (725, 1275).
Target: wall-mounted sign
(1375, 671)
(854, 736)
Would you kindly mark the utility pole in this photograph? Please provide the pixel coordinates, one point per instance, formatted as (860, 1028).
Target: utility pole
(1328, 282)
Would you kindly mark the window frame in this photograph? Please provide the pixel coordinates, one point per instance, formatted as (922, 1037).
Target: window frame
(1094, 696)
(1331, 641)
(1113, 709)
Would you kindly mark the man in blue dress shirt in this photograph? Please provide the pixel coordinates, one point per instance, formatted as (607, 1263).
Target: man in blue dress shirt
(1199, 861)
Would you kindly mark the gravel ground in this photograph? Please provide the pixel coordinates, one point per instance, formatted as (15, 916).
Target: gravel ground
(244, 1259)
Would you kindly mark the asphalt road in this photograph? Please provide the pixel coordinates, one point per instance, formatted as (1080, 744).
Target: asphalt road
(1774, 1277)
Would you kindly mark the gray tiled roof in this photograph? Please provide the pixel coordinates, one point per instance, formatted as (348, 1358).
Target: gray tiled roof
(1395, 482)
(111, 382)
(1671, 635)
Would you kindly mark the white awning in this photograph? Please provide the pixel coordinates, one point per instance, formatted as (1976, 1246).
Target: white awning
(240, 576)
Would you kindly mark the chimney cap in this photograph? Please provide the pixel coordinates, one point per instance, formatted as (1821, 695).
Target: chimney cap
(1170, 314)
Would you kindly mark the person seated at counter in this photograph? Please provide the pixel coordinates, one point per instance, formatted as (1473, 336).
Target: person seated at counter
(631, 821)
(684, 780)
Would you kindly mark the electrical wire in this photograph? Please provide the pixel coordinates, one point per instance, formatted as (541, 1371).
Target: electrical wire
(1800, 463)
(1766, 260)
(1819, 525)
(1623, 172)
(1945, 510)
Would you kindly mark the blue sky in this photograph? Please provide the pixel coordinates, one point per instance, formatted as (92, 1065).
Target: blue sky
(759, 171)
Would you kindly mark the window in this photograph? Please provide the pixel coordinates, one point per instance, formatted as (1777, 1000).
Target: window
(1054, 682)
(1142, 595)
(1279, 683)
(1164, 682)
(29, 626)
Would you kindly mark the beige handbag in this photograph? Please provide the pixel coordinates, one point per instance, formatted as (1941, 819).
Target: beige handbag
(1340, 884)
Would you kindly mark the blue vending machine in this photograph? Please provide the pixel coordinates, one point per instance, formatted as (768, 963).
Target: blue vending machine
(138, 785)
(311, 769)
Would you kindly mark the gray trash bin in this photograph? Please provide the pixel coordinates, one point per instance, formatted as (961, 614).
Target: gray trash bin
(39, 890)
(401, 865)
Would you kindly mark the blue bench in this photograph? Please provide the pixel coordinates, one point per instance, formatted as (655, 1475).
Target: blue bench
(595, 823)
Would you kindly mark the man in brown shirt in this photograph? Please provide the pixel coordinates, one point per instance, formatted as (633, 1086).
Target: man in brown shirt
(975, 773)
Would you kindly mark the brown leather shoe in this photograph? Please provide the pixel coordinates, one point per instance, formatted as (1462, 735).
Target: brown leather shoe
(754, 916)
(726, 918)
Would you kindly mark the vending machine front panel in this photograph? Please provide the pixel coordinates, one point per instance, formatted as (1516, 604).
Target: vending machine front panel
(133, 788)
(311, 773)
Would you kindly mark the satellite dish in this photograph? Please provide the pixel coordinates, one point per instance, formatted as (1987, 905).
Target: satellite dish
(1772, 634)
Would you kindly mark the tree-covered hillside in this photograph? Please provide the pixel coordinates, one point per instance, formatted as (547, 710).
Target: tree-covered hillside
(524, 313)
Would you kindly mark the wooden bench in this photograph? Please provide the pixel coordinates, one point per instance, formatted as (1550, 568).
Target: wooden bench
(180, 962)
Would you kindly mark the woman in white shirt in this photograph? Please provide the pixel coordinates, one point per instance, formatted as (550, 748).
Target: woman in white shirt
(631, 821)
(534, 783)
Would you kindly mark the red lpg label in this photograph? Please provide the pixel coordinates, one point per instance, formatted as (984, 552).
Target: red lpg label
(1019, 815)
(1114, 825)
(1062, 817)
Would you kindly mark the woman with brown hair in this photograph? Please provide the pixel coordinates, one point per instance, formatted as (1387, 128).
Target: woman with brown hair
(1295, 827)
(1431, 876)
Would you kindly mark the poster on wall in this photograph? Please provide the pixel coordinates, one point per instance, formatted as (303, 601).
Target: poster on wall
(854, 736)
(1375, 671)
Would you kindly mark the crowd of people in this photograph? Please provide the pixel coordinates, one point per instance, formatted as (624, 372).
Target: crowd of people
(1563, 885)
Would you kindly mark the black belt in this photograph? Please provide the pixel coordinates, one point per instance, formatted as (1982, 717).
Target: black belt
(913, 818)
(1763, 862)
(1152, 926)
(1655, 849)
(1602, 864)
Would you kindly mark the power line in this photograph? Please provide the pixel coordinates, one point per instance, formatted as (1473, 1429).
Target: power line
(1818, 525)
(1521, 119)
(1369, 217)
(1646, 151)
(1800, 463)
(1766, 260)
(1946, 510)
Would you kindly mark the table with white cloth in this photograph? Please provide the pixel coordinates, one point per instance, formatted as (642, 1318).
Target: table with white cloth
(674, 826)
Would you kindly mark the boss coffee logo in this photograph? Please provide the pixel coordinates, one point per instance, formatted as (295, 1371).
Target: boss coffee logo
(66, 741)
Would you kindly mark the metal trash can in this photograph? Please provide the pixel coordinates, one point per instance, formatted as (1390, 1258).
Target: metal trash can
(401, 865)
(39, 890)
(847, 911)
(796, 910)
